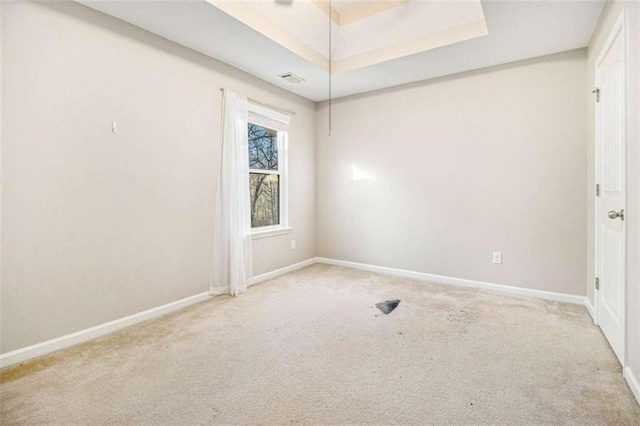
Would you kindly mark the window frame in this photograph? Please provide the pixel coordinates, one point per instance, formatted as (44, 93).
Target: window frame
(283, 157)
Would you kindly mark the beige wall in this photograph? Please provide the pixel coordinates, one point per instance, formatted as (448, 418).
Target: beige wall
(96, 225)
(491, 160)
(609, 16)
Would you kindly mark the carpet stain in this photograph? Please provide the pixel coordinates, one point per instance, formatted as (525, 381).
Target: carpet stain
(463, 317)
(24, 369)
(388, 306)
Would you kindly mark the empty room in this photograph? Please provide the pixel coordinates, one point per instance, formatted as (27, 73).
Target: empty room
(329, 212)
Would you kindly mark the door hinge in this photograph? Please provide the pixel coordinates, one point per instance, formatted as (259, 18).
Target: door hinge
(597, 190)
(597, 92)
(597, 283)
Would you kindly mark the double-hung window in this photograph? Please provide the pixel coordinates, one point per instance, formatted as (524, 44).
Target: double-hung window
(268, 145)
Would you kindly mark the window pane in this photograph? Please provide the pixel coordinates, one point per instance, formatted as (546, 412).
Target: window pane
(265, 199)
(263, 148)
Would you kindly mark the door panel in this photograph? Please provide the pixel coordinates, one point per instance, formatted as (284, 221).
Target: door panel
(610, 173)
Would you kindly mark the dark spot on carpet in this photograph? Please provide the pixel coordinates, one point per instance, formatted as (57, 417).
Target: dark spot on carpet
(388, 306)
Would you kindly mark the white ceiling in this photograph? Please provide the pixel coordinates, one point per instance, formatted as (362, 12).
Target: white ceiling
(517, 30)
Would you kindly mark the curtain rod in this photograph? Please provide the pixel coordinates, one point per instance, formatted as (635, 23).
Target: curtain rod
(267, 105)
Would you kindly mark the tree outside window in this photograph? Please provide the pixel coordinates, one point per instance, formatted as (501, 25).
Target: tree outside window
(264, 176)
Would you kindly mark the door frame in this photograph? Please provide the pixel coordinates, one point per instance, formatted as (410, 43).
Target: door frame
(619, 28)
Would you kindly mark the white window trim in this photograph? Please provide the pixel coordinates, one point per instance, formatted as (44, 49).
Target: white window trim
(283, 169)
(272, 231)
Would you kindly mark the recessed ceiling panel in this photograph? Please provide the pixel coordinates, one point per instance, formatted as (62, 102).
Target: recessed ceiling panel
(383, 30)
(411, 21)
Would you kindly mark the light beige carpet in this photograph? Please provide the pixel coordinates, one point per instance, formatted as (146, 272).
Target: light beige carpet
(311, 348)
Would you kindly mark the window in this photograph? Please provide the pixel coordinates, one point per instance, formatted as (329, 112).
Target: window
(264, 176)
(267, 139)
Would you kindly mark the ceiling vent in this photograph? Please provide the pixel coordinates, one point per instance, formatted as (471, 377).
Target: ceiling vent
(291, 78)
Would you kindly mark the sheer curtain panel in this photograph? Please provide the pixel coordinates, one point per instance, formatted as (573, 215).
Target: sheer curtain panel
(232, 266)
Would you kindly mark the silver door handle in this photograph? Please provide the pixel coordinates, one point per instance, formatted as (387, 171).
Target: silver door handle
(614, 214)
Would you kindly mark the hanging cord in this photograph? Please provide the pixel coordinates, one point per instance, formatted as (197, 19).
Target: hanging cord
(330, 62)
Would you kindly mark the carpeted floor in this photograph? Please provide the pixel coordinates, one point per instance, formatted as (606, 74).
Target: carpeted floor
(310, 347)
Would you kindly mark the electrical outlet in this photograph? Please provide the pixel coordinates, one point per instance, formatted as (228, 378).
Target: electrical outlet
(293, 244)
(497, 257)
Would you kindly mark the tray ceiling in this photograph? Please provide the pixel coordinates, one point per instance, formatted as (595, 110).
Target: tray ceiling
(374, 44)
(375, 31)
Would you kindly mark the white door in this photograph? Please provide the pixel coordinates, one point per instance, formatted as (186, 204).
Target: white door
(610, 176)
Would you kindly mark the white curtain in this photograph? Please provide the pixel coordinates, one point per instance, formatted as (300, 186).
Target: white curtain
(232, 266)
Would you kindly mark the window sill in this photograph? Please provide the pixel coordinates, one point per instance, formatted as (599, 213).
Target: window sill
(270, 232)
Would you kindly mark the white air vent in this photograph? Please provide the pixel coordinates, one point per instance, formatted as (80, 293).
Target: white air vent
(291, 78)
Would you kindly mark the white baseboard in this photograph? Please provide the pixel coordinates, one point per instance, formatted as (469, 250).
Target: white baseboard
(633, 382)
(440, 279)
(49, 346)
(591, 309)
(273, 274)
(43, 348)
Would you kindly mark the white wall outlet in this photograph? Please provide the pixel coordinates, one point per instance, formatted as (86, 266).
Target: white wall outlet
(293, 244)
(114, 127)
(497, 257)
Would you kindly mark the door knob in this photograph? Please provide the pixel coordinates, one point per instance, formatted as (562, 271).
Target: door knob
(614, 214)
